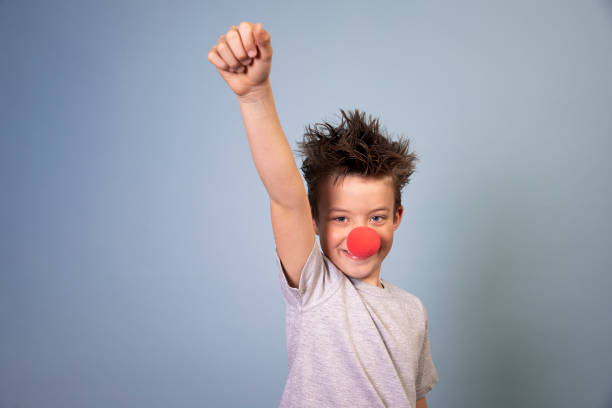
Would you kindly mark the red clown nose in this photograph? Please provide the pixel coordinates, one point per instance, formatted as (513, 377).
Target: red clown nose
(363, 242)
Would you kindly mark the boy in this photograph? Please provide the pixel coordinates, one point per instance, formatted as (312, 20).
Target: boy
(353, 339)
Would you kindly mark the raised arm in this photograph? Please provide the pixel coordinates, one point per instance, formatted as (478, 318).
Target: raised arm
(243, 57)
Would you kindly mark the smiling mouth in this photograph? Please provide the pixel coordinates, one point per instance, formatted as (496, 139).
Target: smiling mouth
(353, 257)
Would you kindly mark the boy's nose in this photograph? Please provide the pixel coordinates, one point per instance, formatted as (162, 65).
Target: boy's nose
(363, 242)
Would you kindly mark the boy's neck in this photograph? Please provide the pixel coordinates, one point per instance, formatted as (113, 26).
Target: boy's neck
(373, 281)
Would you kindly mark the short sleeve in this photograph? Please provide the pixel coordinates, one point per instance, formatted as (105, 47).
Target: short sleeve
(427, 375)
(318, 280)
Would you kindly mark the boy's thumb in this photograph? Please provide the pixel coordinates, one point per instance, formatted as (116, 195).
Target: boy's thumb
(262, 38)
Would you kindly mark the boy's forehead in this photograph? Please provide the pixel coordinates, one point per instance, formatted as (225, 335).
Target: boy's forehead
(356, 191)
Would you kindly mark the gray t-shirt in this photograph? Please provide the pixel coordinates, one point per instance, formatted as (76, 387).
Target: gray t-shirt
(351, 344)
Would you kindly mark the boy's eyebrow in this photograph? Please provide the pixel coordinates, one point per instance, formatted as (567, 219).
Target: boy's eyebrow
(382, 209)
(387, 209)
(337, 209)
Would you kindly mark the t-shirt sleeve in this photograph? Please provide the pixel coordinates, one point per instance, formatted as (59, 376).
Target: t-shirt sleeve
(427, 375)
(318, 280)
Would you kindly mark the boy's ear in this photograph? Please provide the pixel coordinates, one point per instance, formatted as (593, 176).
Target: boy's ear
(397, 218)
(316, 228)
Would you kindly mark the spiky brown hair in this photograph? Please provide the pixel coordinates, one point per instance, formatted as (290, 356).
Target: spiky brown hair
(355, 147)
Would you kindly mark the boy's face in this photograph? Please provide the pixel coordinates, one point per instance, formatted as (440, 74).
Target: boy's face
(353, 202)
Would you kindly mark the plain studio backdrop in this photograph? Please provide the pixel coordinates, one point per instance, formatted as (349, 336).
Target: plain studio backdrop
(137, 256)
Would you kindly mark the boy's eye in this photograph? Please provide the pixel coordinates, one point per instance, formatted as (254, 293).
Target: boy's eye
(378, 218)
(340, 219)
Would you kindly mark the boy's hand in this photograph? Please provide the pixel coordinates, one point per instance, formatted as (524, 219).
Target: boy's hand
(243, 57)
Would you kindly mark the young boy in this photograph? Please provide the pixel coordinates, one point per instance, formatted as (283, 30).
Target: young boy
(353, 339)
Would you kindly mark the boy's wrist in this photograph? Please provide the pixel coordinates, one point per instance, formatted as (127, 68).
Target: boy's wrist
(257, 93)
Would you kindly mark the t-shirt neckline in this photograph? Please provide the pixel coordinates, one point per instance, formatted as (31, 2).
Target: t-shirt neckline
(370, 289)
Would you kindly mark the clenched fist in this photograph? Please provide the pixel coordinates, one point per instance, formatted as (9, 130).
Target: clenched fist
(243, 57)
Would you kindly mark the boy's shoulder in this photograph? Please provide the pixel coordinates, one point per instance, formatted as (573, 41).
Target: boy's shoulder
(411, 301)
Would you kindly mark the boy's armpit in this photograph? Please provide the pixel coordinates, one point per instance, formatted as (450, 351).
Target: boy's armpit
(290, 282)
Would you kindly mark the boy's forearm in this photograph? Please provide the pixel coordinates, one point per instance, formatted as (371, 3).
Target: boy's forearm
(270, 149)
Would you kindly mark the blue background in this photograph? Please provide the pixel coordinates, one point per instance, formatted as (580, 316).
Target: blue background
(136, 250)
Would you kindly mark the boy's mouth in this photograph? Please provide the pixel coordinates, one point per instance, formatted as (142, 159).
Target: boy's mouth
(354, 257)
